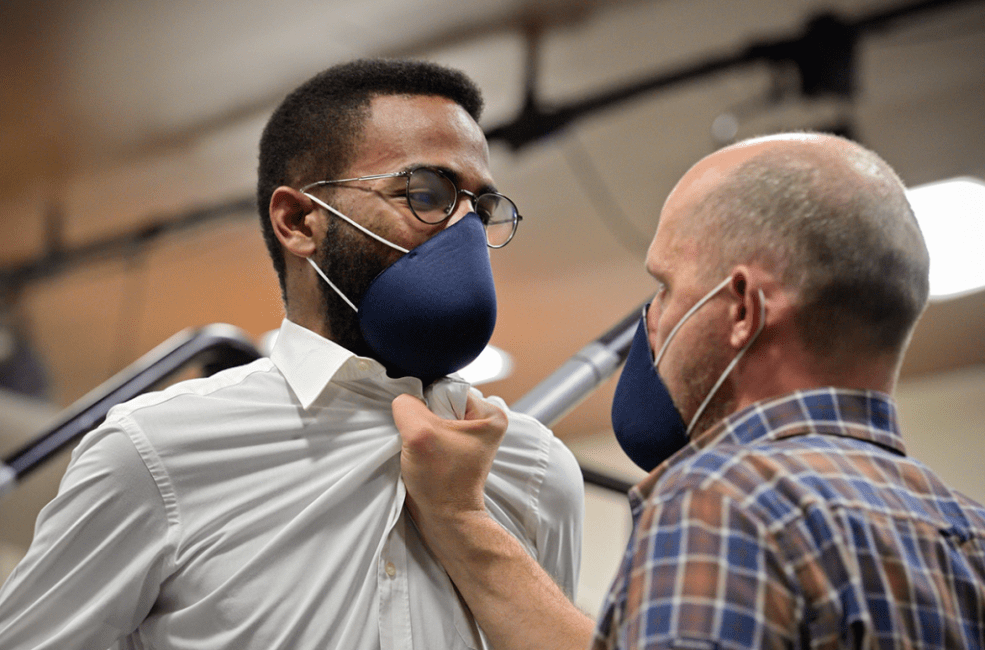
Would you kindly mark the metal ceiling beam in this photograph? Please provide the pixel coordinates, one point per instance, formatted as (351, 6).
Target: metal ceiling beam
(58, 259)
(823, 53)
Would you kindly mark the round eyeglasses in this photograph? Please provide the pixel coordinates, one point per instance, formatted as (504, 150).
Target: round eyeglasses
(433, 196)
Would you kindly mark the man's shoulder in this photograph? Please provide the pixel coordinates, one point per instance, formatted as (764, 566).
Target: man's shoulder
(533, 451)
(764, 457)
(535, 490)
(777, 478)
(528, 439)
(234, 388)
(743, 472)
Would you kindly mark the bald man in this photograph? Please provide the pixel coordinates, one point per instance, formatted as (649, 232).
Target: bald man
(781, 509)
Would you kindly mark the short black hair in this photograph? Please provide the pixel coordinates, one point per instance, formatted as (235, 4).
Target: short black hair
(313, 134)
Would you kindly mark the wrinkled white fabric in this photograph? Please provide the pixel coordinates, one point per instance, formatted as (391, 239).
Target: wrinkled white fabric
(262, 508)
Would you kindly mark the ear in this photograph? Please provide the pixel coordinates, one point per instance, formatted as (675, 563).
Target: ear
(295, 221)
(747, 309)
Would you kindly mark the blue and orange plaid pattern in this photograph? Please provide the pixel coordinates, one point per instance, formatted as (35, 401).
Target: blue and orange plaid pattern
(800, 523)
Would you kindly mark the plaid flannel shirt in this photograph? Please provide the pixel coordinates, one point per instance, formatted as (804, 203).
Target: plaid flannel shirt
(800, 522)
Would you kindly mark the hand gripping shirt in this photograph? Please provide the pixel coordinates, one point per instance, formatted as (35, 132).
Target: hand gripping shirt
(262, 508)
(800, 522)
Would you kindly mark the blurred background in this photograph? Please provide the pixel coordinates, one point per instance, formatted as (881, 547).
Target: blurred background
(128, 135)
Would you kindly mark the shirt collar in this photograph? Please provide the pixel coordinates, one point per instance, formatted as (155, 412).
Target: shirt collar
(859, 414)
(309, 362)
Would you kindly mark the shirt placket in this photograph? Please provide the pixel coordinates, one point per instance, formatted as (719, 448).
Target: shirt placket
(392, 579)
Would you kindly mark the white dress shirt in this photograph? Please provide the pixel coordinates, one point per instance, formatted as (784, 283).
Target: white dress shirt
(262, 508)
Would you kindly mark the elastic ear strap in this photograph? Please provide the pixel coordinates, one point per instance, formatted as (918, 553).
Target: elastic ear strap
(331, 284)
(708, 296)
(704, 404)
(365, 230)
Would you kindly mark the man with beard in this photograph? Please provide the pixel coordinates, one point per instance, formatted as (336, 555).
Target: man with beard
(262, 508)
(781, 509)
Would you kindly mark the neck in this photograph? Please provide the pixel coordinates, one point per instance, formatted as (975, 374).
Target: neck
(777, 372)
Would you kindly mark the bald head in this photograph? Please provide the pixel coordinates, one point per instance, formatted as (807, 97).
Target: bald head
(829, 218)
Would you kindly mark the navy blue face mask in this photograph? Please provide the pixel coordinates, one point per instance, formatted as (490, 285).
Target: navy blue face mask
(432, 311)
(647, 424)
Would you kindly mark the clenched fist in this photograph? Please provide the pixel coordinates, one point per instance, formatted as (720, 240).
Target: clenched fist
(445, 462)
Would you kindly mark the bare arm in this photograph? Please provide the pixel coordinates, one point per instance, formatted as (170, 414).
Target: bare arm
(444, 465)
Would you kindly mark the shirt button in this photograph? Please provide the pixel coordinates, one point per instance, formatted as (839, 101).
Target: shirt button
(390, 569)
(362, 365)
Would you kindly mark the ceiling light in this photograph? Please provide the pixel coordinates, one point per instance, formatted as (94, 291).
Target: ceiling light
(951, 214)
(491, 364)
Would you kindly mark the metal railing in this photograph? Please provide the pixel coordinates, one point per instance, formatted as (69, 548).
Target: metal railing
(214, 348)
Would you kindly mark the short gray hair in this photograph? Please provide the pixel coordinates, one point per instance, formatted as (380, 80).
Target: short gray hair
(835, 225)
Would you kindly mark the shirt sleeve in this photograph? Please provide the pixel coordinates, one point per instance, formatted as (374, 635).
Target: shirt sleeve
(98, 556)
(560, 517)
(700, 572)
(536, 490)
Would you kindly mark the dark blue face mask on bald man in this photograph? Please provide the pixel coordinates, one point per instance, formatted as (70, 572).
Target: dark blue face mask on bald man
(432, 311)
(647, 424)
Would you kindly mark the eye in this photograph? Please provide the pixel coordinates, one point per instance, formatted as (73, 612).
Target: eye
(429, 191)
(426, 199)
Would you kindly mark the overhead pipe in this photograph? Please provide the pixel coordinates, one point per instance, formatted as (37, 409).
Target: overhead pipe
(823, 53)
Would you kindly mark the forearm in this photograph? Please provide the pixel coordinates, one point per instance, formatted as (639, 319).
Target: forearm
(514, 600)
(444, 464)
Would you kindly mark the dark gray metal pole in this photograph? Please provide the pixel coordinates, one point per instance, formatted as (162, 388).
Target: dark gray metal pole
(579, 377)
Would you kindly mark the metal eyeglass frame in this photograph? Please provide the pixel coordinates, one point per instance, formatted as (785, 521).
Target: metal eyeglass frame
(517, 217)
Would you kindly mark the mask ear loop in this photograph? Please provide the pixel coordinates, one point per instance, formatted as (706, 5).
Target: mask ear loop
(762, 323)
(331, 284)
(690, 312)
(365, 230)
(358, 227)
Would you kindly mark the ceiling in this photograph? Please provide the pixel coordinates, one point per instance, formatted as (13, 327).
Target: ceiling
(118, 115)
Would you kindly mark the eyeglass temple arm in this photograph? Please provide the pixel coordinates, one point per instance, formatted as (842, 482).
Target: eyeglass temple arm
(349, 180)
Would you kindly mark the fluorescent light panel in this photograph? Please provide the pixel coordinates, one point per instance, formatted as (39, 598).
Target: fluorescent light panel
(951, 214)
